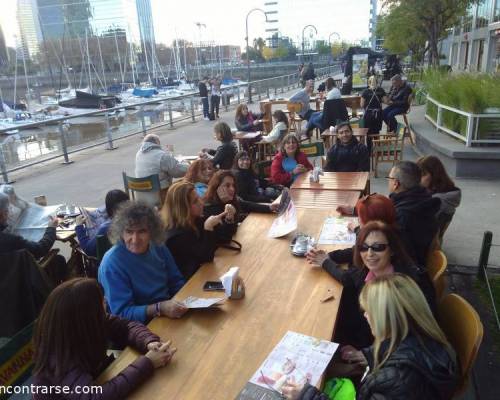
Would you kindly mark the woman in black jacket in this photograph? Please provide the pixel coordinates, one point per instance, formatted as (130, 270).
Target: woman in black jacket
(191, 240)
(378, 252)
(410, 359)
(347, 154)
(221, 158)
(222, 197)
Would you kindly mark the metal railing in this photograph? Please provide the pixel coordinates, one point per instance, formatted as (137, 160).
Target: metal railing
(482, 272)
(62, 138)
(472, 128)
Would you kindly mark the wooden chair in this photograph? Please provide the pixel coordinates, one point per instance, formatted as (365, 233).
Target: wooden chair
(436, 267)
(387, 148)
(464, 330)
(407, 131)
(149, 184)
(294, 120)
(313, 150)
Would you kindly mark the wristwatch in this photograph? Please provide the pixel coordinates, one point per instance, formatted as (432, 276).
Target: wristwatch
(157, 310)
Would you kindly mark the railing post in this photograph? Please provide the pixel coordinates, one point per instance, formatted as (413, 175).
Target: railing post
(470, 128)
(258, 90)
(192, 109)
(282, 85)
(3, 167)
(108, 133)
(225, 100)
(239, 95)
(143, 121)
(288, 83)
(170, 117)
(275, 91)
(64, 147)
(439, 118)
(267, 91)
(249, 93)
(484, 255)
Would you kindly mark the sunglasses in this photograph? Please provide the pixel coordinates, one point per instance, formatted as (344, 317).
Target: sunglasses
(377, 247)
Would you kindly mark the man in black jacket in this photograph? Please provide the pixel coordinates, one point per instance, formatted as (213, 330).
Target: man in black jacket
(398, 102)
(347, 154)
(57, 269)
(415, 210)
(202, 87)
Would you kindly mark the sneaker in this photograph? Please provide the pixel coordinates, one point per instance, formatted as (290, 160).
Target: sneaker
(206, 118)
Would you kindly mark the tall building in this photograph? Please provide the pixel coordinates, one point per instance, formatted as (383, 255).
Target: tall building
(29, 27)
(271, 8)
(372, 24)
(4, 54)
(64, 18)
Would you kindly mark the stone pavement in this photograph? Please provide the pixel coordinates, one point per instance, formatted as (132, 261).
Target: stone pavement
(95, 171)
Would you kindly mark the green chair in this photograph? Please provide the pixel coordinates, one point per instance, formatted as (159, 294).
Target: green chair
(314, 151)
(102, 246)
(149, 185)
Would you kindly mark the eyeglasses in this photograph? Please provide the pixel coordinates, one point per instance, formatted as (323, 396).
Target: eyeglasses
(390, 177)
(377, 247)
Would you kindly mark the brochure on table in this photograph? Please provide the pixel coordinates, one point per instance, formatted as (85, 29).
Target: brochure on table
(336, 231)
(297, 358)
(286, 221)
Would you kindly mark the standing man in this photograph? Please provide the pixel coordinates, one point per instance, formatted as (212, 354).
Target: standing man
(302, 97)
(398, 102)
(151, 159)
(202, 87)
(215, 96)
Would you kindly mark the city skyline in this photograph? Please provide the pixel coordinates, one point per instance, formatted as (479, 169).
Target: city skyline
(224, 20)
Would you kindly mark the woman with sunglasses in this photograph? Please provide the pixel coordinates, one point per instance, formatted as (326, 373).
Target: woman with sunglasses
(410, 358)
(378, 252)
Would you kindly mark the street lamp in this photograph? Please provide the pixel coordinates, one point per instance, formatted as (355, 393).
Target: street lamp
(329, 36)
(199, 25)
(303, 30)
(248, 48)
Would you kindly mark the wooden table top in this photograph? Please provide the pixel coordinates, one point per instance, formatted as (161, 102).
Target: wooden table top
(245, 135)
(324, 199)
(355, 132)
(334, 181)
(219, 350)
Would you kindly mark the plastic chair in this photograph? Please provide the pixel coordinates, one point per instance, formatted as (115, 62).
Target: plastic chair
(387, 148)
(436, 267)
(148, 184)
(464, 330)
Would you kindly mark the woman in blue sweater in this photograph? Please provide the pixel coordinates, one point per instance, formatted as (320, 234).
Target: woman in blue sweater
(138, 273)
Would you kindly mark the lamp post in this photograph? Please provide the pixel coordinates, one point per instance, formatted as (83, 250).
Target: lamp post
(329, 36)
(199, 25)
(303, 30)
(248, 48)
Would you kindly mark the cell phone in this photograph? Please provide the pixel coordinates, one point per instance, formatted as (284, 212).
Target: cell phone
(213, 286)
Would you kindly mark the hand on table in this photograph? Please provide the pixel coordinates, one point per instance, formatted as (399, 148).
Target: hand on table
(316, 257)
(230, 212)
(162, 354)
(299, 169)
(345, 210)
(274, 207)
(53, 222)
(291, 390)
(172, 309)
(214, 220)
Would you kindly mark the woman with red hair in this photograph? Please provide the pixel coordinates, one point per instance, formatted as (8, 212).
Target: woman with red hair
(374, 207)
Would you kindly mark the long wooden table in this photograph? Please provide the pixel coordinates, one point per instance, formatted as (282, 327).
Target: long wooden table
(356, 181)
(324, 199)
(219, 350)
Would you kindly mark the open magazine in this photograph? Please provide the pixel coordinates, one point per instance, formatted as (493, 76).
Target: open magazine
(297, 359)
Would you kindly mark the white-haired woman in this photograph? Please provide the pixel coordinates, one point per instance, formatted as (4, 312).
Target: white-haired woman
(410, 357)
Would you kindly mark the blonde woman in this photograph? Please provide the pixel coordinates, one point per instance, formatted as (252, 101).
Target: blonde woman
(410, 358)
(191, 240)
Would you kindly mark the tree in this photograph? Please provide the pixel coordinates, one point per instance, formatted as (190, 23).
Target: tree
(258, 45)
(268, 53)
(323, 47)
(432, 18)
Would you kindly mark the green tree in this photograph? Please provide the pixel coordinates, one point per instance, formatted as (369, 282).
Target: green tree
(432, 18)
(323, 47)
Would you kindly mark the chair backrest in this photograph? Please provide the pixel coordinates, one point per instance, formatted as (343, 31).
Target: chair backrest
(436, 266)
(147, 184)
(102, 244)
(315, 149)
(410, 100)
(294, 107)
(263, 169)
(464, 330)
(333, 111)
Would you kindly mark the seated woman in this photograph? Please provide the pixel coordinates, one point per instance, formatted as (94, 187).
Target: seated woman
(222, 197)
(410, 357)
(199, 174)
(436, 180)
(191, 240)
(222, 157)
(374, 207)
(249, 187)
(70, 343)
(279, 130)
(378, 252)
(289, 162)
(347, 154)
(138, 273)
(88, 243)
(247, 121)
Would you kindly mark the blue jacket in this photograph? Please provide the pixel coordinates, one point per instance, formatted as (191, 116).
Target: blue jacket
(87, 243)
(133, 281)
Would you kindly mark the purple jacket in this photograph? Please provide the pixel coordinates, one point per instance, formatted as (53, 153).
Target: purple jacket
(123, 333)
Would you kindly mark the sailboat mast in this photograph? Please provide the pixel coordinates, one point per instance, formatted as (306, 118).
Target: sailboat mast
(102, 64)
(119, 59)
(88, 60)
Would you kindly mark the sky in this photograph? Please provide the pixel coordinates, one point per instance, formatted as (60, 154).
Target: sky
(225, 19)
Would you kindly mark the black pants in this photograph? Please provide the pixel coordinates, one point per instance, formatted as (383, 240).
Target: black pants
(214, 105)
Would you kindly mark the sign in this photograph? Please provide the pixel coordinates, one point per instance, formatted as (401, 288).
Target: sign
(359, 71)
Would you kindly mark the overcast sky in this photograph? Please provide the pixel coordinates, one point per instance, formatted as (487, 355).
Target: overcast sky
(225, 19)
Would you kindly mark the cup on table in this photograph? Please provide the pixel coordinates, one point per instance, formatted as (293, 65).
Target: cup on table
(41, 200)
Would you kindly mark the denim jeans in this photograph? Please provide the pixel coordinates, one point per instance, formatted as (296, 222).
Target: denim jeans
(204, 102)
(389, 115)
(314, 121)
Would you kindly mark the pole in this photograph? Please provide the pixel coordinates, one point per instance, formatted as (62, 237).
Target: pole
(64, 147)
(303, 30)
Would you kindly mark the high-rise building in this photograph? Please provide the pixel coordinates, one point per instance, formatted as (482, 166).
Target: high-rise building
(64, 18)
(29, 27)
(372, 24)
(4, 54)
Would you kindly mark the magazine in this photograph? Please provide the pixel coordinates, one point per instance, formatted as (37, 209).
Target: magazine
(297, 359)
(336, 231)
